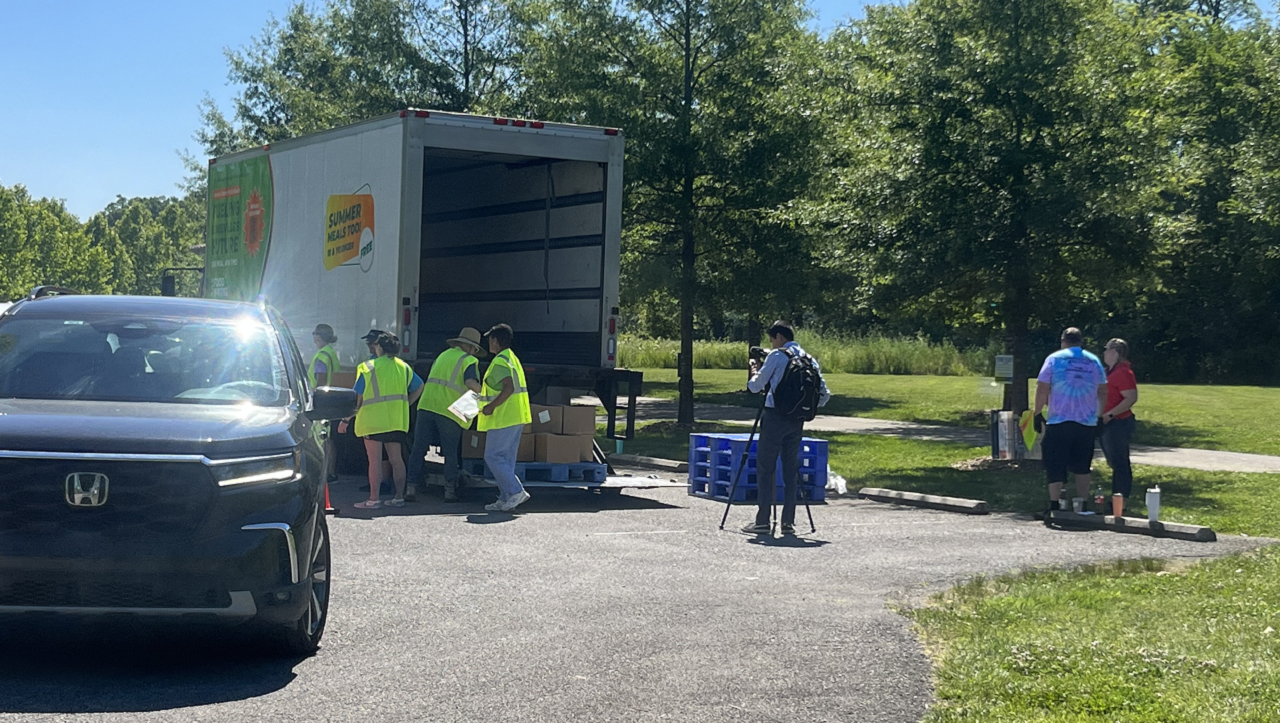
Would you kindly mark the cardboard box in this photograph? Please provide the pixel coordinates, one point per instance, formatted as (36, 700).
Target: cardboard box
(578, 420)
(557, 449)
(556, 396)
(528, 449)
(473, 444)
(546, 420)
(586, 447)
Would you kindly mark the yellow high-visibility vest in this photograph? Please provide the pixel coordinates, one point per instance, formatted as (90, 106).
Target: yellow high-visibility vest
(445, 382)
(514, 411)
(384, 405)
(329, 356)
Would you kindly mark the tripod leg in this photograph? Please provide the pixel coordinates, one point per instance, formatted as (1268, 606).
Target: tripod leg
(742, 464)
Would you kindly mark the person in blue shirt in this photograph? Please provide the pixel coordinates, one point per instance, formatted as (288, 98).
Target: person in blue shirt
(780, 437)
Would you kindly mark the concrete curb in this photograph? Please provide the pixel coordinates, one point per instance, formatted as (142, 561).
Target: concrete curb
(1134, 525)
(915, 499)
(636, 460)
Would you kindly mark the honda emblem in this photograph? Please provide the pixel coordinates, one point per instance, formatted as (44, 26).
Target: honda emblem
(87, 489)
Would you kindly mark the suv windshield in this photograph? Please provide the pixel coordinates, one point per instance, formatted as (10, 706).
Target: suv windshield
(112, 358)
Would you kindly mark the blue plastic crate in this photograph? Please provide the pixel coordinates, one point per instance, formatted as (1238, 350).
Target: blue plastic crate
(717, 458)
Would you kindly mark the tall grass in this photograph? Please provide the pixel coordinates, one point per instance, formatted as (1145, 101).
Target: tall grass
(872, 354)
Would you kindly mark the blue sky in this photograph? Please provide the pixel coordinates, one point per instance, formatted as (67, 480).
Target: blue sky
(102, 96)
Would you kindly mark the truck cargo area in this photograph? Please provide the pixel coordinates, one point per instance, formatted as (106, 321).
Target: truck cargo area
(518, 240)
(521, 240)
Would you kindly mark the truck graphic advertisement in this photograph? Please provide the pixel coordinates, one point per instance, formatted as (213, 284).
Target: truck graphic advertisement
(239, 227)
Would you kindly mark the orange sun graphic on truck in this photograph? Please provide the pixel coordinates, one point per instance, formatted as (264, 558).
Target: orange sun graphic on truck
(253, 214)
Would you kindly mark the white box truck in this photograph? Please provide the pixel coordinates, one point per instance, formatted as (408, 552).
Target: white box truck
(423, 222)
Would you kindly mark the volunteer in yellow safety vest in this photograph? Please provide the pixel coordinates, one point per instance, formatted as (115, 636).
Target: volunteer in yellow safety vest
(387, 387)
(454, 372)
(320, 371)
(506, 410)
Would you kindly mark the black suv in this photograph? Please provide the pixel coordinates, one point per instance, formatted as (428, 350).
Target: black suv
(162, 457)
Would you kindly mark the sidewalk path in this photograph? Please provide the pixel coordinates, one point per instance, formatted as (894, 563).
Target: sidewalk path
(649, 409)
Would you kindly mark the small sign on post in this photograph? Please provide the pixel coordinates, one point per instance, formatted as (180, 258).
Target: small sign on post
(1004, 368)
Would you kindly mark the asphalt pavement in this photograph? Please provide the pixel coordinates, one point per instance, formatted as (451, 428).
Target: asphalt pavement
(584, 607)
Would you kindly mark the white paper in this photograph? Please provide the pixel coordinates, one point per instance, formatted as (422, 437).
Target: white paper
(467, 407)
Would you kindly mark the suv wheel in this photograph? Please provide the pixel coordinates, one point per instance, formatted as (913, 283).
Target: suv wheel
(303, 637)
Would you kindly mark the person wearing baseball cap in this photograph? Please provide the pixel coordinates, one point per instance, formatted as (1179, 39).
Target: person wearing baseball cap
(454, 372)
(371, 341)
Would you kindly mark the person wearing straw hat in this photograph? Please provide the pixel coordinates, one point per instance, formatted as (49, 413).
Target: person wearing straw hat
(456, 370)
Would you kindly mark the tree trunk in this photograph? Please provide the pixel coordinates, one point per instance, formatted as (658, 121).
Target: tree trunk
(688, 250)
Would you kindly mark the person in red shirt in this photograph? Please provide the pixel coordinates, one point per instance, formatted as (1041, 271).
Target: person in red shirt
(1118, 420)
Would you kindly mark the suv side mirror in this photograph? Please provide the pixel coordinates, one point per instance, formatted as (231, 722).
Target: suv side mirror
(329, 403)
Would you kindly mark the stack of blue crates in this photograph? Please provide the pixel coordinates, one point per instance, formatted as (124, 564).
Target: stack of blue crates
(714, 460)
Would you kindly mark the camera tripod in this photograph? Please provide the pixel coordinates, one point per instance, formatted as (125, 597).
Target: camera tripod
(742, 464)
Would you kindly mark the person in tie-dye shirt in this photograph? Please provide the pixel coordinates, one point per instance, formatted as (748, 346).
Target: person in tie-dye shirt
(1074, 385)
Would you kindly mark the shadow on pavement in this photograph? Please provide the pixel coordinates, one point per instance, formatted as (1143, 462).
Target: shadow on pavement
(787, 541)
(90, 668)
(544, 500)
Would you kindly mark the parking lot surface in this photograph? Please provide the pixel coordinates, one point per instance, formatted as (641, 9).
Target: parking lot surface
(584, 607)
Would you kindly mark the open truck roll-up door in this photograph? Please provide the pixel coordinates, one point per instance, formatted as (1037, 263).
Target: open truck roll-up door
(525, 240)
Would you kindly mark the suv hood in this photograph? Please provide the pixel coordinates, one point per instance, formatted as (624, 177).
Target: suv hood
(39, 425)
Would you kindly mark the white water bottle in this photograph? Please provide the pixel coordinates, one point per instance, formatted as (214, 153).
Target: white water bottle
(1153, 503)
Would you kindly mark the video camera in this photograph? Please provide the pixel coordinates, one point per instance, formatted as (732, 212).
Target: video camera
(757, 353)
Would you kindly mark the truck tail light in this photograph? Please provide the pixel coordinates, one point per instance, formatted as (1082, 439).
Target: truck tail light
(518, 123)
(537, 124)
(499, 121)
(613, 325)
(407, 317)
(421, 114)
(611, 131)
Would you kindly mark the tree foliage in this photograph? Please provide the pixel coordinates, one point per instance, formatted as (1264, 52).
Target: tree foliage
(969, 170)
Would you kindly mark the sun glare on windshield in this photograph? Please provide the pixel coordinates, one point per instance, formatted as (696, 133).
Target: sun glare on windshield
(142, 360)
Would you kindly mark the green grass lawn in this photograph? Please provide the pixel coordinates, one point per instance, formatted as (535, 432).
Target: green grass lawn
(1210, 417)
(1135, 641)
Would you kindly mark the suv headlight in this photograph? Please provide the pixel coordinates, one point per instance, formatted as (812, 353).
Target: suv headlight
(275, 469)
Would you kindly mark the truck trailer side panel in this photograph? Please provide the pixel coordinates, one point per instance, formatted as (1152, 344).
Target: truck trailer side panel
(334, 252)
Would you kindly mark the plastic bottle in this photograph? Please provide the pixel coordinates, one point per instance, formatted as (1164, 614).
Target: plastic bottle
(1153, 503)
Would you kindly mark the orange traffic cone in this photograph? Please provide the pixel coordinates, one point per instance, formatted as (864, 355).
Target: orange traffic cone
(329, 509)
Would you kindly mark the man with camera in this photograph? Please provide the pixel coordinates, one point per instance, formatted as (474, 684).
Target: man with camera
(794, 390)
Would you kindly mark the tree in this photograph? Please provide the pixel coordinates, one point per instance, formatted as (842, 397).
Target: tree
(1212, 311)
(715, 148)
(999, 170)
(357, 59)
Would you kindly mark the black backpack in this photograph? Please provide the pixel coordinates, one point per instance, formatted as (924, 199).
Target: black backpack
(796, 397)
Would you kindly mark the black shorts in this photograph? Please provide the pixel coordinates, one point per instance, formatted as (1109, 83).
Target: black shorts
(1067, 447)
(390, 437)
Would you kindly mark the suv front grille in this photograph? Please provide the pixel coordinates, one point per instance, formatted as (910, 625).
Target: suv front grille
(112, 594)
(144, 500)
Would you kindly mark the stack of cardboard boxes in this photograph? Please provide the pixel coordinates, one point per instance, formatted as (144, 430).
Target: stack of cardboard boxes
(558, 435)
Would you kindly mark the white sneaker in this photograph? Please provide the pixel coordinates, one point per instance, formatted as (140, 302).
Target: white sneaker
(494, 506)
(515, 501)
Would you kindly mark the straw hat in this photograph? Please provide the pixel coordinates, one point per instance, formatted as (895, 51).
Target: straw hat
(467, 336)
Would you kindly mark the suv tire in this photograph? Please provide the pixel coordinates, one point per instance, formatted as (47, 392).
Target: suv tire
(302, 639)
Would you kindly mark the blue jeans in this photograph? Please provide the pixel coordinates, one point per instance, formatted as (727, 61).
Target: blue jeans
(501, 447)
(431, 428)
